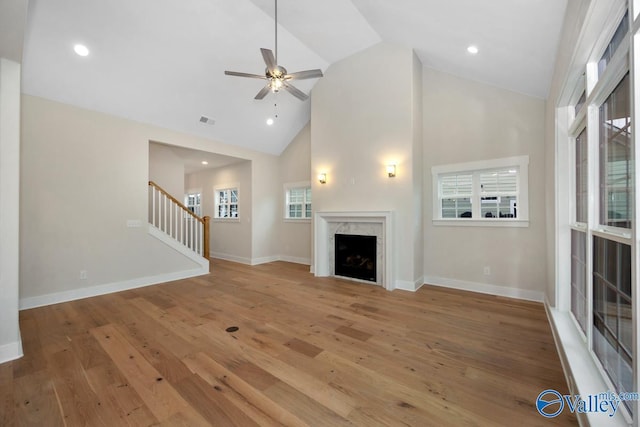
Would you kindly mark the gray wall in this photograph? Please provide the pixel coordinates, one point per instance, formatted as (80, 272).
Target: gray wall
(230, 239)
(166, 169)
(295, 166)
(359, 124)
(467, 121)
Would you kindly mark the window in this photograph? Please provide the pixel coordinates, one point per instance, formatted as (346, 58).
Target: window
(581, 165)
(226, 203)
(612, 314)
(479, 193)
(615, 158)
(456, 191)
(499, 191)
(192, 202)
(579, 278)
(298, 202)
(596, 170)
(613, 45)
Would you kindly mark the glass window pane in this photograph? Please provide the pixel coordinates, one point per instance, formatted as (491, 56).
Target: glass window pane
(615, 158)
(296, 195)
(453, 185)
(581, 177)
(612, 311)
(308, 195)
(578, 278)
(615, 42)
(234, 195)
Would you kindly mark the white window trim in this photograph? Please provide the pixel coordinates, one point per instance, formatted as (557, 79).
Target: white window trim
(520, 162)
(288, 186)
(194, 191)
(222, 187)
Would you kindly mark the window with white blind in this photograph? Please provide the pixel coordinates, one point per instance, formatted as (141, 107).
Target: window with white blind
(297, 201)
(456, 191)
(491, 192)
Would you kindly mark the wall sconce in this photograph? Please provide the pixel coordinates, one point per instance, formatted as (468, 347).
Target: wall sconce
(391, 170)
(322, 178)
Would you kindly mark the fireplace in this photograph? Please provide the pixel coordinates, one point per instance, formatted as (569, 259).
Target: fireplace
(355, 256)
(374, 224)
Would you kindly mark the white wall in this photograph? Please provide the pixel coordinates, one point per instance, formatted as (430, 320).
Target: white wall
(360, 122)
(468, 121)
(10, 344)
(229, 239)
(295, 166)
(166, 169)
(84, 174)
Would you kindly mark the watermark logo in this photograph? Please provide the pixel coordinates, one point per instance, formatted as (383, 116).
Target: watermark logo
(550, 403)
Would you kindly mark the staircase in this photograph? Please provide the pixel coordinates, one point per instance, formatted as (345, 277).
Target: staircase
(176, 225)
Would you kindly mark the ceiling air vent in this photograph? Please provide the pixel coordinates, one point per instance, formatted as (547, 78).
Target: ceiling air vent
(206, 120)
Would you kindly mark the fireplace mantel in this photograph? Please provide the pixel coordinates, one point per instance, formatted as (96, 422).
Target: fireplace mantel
(322, 248)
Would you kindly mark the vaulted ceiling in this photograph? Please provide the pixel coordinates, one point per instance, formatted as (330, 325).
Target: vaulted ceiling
(162, 61)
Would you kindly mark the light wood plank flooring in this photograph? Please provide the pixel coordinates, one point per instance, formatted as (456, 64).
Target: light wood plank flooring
(308, 351)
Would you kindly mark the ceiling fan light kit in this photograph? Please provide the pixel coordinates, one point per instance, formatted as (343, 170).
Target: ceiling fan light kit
(276, 76)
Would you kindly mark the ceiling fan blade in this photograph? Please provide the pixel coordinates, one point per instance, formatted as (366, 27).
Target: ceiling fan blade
(238, 74)
(263, 92)
(269, 59)
(308, 74)
(295, 91)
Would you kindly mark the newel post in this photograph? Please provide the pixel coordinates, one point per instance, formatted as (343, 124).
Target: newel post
(205, 245)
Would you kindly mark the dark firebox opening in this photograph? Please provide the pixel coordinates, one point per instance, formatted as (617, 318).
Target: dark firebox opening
(355, 256)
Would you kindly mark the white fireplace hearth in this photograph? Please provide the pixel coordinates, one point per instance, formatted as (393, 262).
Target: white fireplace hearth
(365, 223)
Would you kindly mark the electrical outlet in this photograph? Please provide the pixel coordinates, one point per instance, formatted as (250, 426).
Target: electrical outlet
(83, 274)
(487, 270)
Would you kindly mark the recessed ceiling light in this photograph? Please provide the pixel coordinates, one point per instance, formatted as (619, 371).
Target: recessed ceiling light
(269, 121)
(472, 49)
(81, 50)
(204, 162)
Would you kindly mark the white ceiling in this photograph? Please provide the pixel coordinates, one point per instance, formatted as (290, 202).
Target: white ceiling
(162, 61)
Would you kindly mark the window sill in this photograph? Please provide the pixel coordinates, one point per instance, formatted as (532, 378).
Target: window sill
(583, 376)
(483, 222)
(226, 219)
(297, 220)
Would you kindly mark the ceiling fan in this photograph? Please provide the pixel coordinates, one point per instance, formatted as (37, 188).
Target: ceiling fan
(276, 76)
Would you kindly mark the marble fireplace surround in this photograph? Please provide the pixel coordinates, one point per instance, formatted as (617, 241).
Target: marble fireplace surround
(366, 223)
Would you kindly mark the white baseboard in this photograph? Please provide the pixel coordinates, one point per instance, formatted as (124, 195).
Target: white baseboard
(264, 260)
(232, 258)
(261, 260)
(11, 351)
(295, 260)
(405, 285)
(58, 297)
(485, 288)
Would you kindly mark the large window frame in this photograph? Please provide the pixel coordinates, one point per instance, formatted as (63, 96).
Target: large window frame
(463, 188)
(575, 116)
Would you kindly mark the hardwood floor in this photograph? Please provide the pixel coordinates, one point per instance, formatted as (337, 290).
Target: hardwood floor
(308, 351)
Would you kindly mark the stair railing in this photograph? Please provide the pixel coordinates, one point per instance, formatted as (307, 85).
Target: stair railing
(172, 217)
